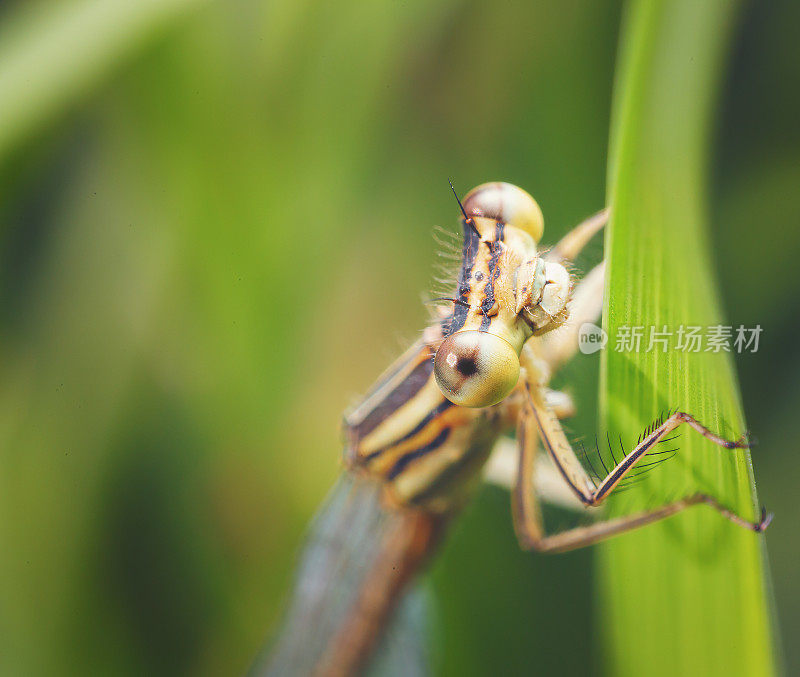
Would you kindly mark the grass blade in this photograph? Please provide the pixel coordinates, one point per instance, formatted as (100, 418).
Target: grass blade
(52, 55)
(688, 595)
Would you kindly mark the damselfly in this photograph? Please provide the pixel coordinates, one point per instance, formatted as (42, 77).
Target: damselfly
(485, 366)
(421, 437)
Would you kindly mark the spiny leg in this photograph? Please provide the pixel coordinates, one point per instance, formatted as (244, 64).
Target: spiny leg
(528, 519)
(641, 449)
(536, 412)
(560, 450)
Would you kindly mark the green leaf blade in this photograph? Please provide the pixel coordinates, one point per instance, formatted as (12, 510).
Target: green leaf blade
(52, 55)
(688, 595)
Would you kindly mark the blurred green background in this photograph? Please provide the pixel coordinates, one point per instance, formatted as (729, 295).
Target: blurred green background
(215, 228)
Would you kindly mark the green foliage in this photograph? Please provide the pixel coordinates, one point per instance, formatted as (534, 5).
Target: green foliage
(215, 224)
(53, 53)
(689, 595)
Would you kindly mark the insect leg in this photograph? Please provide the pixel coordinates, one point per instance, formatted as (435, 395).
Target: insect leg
(501, 468)
(574, 241)
(531, 535)
(577, 479)
(528, 518)
(560, 403)
(527, 515)
(626, 464)
(536, 412)
(524, 503)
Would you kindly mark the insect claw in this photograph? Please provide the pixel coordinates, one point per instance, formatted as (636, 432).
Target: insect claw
(766, 520)
(748, 439)
(744, 442)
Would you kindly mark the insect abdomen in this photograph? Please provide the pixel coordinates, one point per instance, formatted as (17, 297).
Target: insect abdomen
(407, 434)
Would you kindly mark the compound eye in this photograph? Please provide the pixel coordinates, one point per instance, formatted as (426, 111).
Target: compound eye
(507, 203)
(475, 368)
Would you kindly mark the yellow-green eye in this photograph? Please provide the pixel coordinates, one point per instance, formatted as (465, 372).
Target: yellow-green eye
(507, 203)
(475, 368)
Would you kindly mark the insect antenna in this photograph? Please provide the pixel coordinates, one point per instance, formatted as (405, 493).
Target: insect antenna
(467, 219)
(460, 206)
